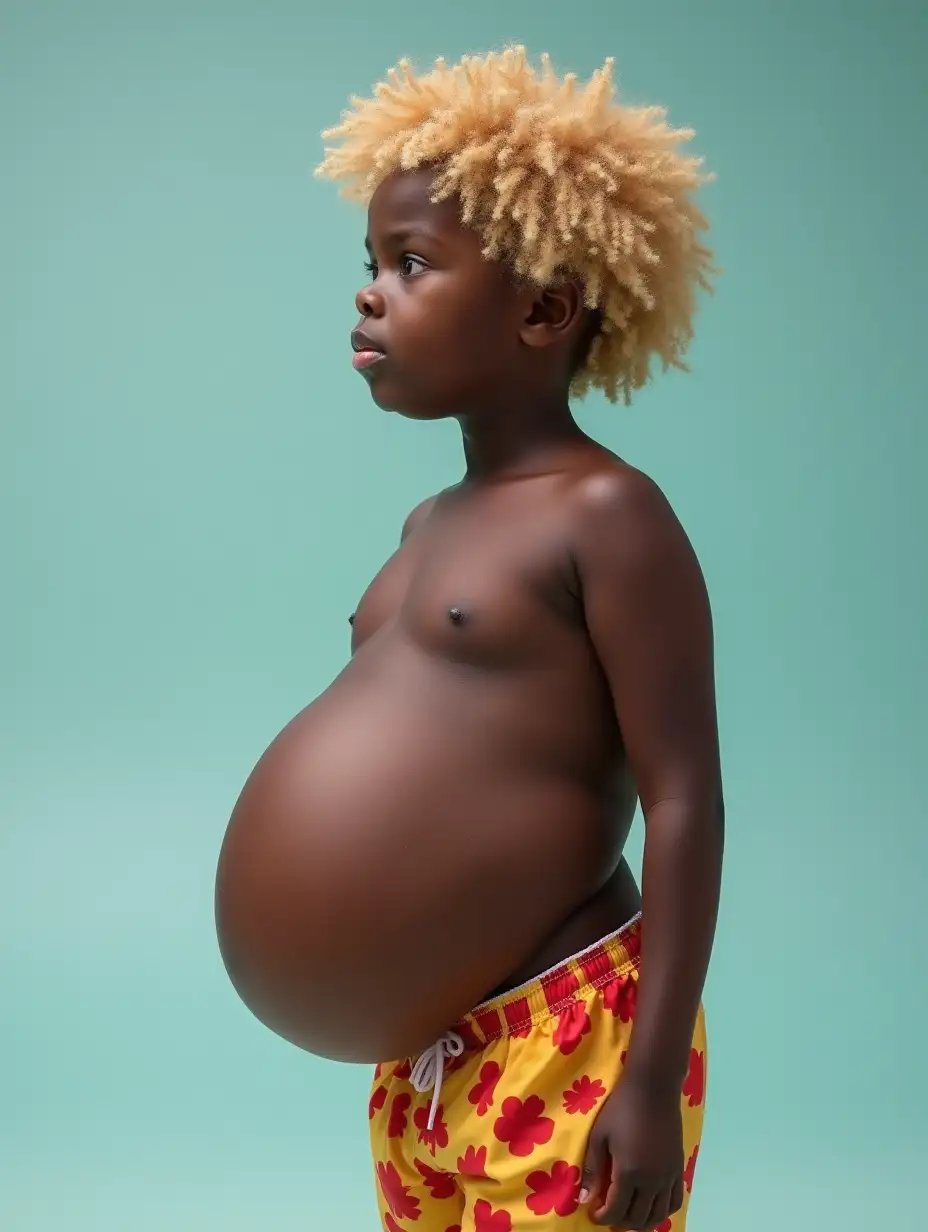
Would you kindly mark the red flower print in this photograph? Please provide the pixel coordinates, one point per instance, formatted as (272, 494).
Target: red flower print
(396, 1194)
(456, 1228)
(583, 1095)
(488, 1220)
(403, 1070)
(690, 1170)
(377, 1072)
(473, 1162)
(396, 1126)
(694, 1089)
(572, 1024)
(666, 1226)
(557, 1191)
(439, 1184)
(390, 1223)
(435, 1137)
(522, 1125)
(482, 1093)
(377, 1101)
(621, 996)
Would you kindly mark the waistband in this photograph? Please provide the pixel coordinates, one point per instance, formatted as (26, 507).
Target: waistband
(515, 1012)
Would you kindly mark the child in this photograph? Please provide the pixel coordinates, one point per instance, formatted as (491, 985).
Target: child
(443, 828)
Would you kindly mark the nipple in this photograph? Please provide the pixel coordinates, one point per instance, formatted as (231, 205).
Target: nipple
(351, 619)
(456, 616)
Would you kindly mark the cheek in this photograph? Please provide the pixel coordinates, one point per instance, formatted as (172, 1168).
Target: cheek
(449, 308)
(449, 339)
(467, 334)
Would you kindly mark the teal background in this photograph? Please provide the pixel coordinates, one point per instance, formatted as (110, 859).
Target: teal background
(196, 487)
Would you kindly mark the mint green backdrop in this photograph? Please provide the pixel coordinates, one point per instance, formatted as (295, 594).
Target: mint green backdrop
(195, 488)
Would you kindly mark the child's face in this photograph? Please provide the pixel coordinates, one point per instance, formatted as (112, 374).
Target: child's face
(446, 320)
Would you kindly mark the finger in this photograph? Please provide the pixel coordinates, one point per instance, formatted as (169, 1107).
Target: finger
(594, 1176)
(661, 1208)
(676, 1197)
(613, 1213)
(639, 1209)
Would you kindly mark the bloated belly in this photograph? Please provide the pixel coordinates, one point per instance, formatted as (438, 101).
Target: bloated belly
(394, 856)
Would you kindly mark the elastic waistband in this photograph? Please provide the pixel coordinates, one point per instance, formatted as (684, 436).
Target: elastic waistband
(515, 1012)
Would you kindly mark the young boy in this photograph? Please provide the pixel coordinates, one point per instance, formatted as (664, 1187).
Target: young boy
(443, 828)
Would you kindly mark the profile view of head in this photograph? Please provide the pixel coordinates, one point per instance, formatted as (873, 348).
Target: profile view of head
(526, 234)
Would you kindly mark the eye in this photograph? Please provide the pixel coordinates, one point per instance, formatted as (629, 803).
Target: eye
(410, 265)
(371, 268)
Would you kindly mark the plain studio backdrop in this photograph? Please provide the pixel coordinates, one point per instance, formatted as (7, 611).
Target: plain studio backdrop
(196, 487)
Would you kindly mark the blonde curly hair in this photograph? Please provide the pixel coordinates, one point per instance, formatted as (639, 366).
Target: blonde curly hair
(558, 181)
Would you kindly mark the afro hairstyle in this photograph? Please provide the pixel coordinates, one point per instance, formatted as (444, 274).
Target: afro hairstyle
(561, 182)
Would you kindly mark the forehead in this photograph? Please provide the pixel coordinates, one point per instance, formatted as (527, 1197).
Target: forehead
(402, 207)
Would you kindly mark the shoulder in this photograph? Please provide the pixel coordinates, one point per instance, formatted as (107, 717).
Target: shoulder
(627, 541)
(615, 506)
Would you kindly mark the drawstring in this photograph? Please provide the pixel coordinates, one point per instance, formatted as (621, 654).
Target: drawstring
(429, 1070)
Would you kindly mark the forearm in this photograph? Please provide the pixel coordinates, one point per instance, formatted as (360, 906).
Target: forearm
(680, 896)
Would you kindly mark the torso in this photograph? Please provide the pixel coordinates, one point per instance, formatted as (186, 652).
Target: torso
(447, 819)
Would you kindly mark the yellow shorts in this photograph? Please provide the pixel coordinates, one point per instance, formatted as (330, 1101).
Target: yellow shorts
(487, 1131)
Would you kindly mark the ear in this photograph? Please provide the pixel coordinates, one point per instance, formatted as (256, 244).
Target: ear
(553, 315)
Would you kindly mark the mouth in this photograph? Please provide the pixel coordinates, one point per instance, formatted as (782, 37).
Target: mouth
(366, 352)
(364, 359)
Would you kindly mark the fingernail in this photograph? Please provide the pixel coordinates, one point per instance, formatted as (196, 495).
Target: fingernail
(584, 1196)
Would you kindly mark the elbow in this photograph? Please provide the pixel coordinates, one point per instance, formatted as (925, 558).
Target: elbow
(693, 817)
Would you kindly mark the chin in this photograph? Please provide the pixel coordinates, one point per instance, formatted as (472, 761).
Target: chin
(409, 407)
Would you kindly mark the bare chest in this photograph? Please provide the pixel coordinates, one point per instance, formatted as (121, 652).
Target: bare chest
(490, 591)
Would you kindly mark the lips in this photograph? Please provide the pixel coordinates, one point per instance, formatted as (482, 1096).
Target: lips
(366, 359)
(367, 351)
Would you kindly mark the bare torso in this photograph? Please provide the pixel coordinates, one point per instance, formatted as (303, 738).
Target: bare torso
(447, 819)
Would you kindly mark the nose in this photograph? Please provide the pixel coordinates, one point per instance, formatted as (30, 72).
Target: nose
(369, 301)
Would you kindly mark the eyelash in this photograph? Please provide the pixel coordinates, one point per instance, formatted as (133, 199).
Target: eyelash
(371, 266)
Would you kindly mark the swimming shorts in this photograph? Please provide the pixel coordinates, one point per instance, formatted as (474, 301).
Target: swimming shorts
(487, 1131)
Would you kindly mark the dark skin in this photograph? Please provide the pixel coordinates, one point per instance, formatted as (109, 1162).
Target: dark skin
(550, 624)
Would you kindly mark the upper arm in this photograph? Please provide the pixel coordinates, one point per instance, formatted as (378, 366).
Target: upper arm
(647, 613)
(417, 516)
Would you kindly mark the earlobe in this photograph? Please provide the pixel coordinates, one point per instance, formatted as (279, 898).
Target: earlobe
(553, 314)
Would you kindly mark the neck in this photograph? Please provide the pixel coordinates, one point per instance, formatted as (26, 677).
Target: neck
(511, 440)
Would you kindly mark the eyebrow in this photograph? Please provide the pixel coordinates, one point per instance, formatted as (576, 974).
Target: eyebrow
(402, 235)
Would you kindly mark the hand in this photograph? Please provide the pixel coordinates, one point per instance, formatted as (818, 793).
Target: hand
(633, 1172)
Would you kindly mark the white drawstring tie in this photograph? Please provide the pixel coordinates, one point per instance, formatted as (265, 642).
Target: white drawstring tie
(429, 1070)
